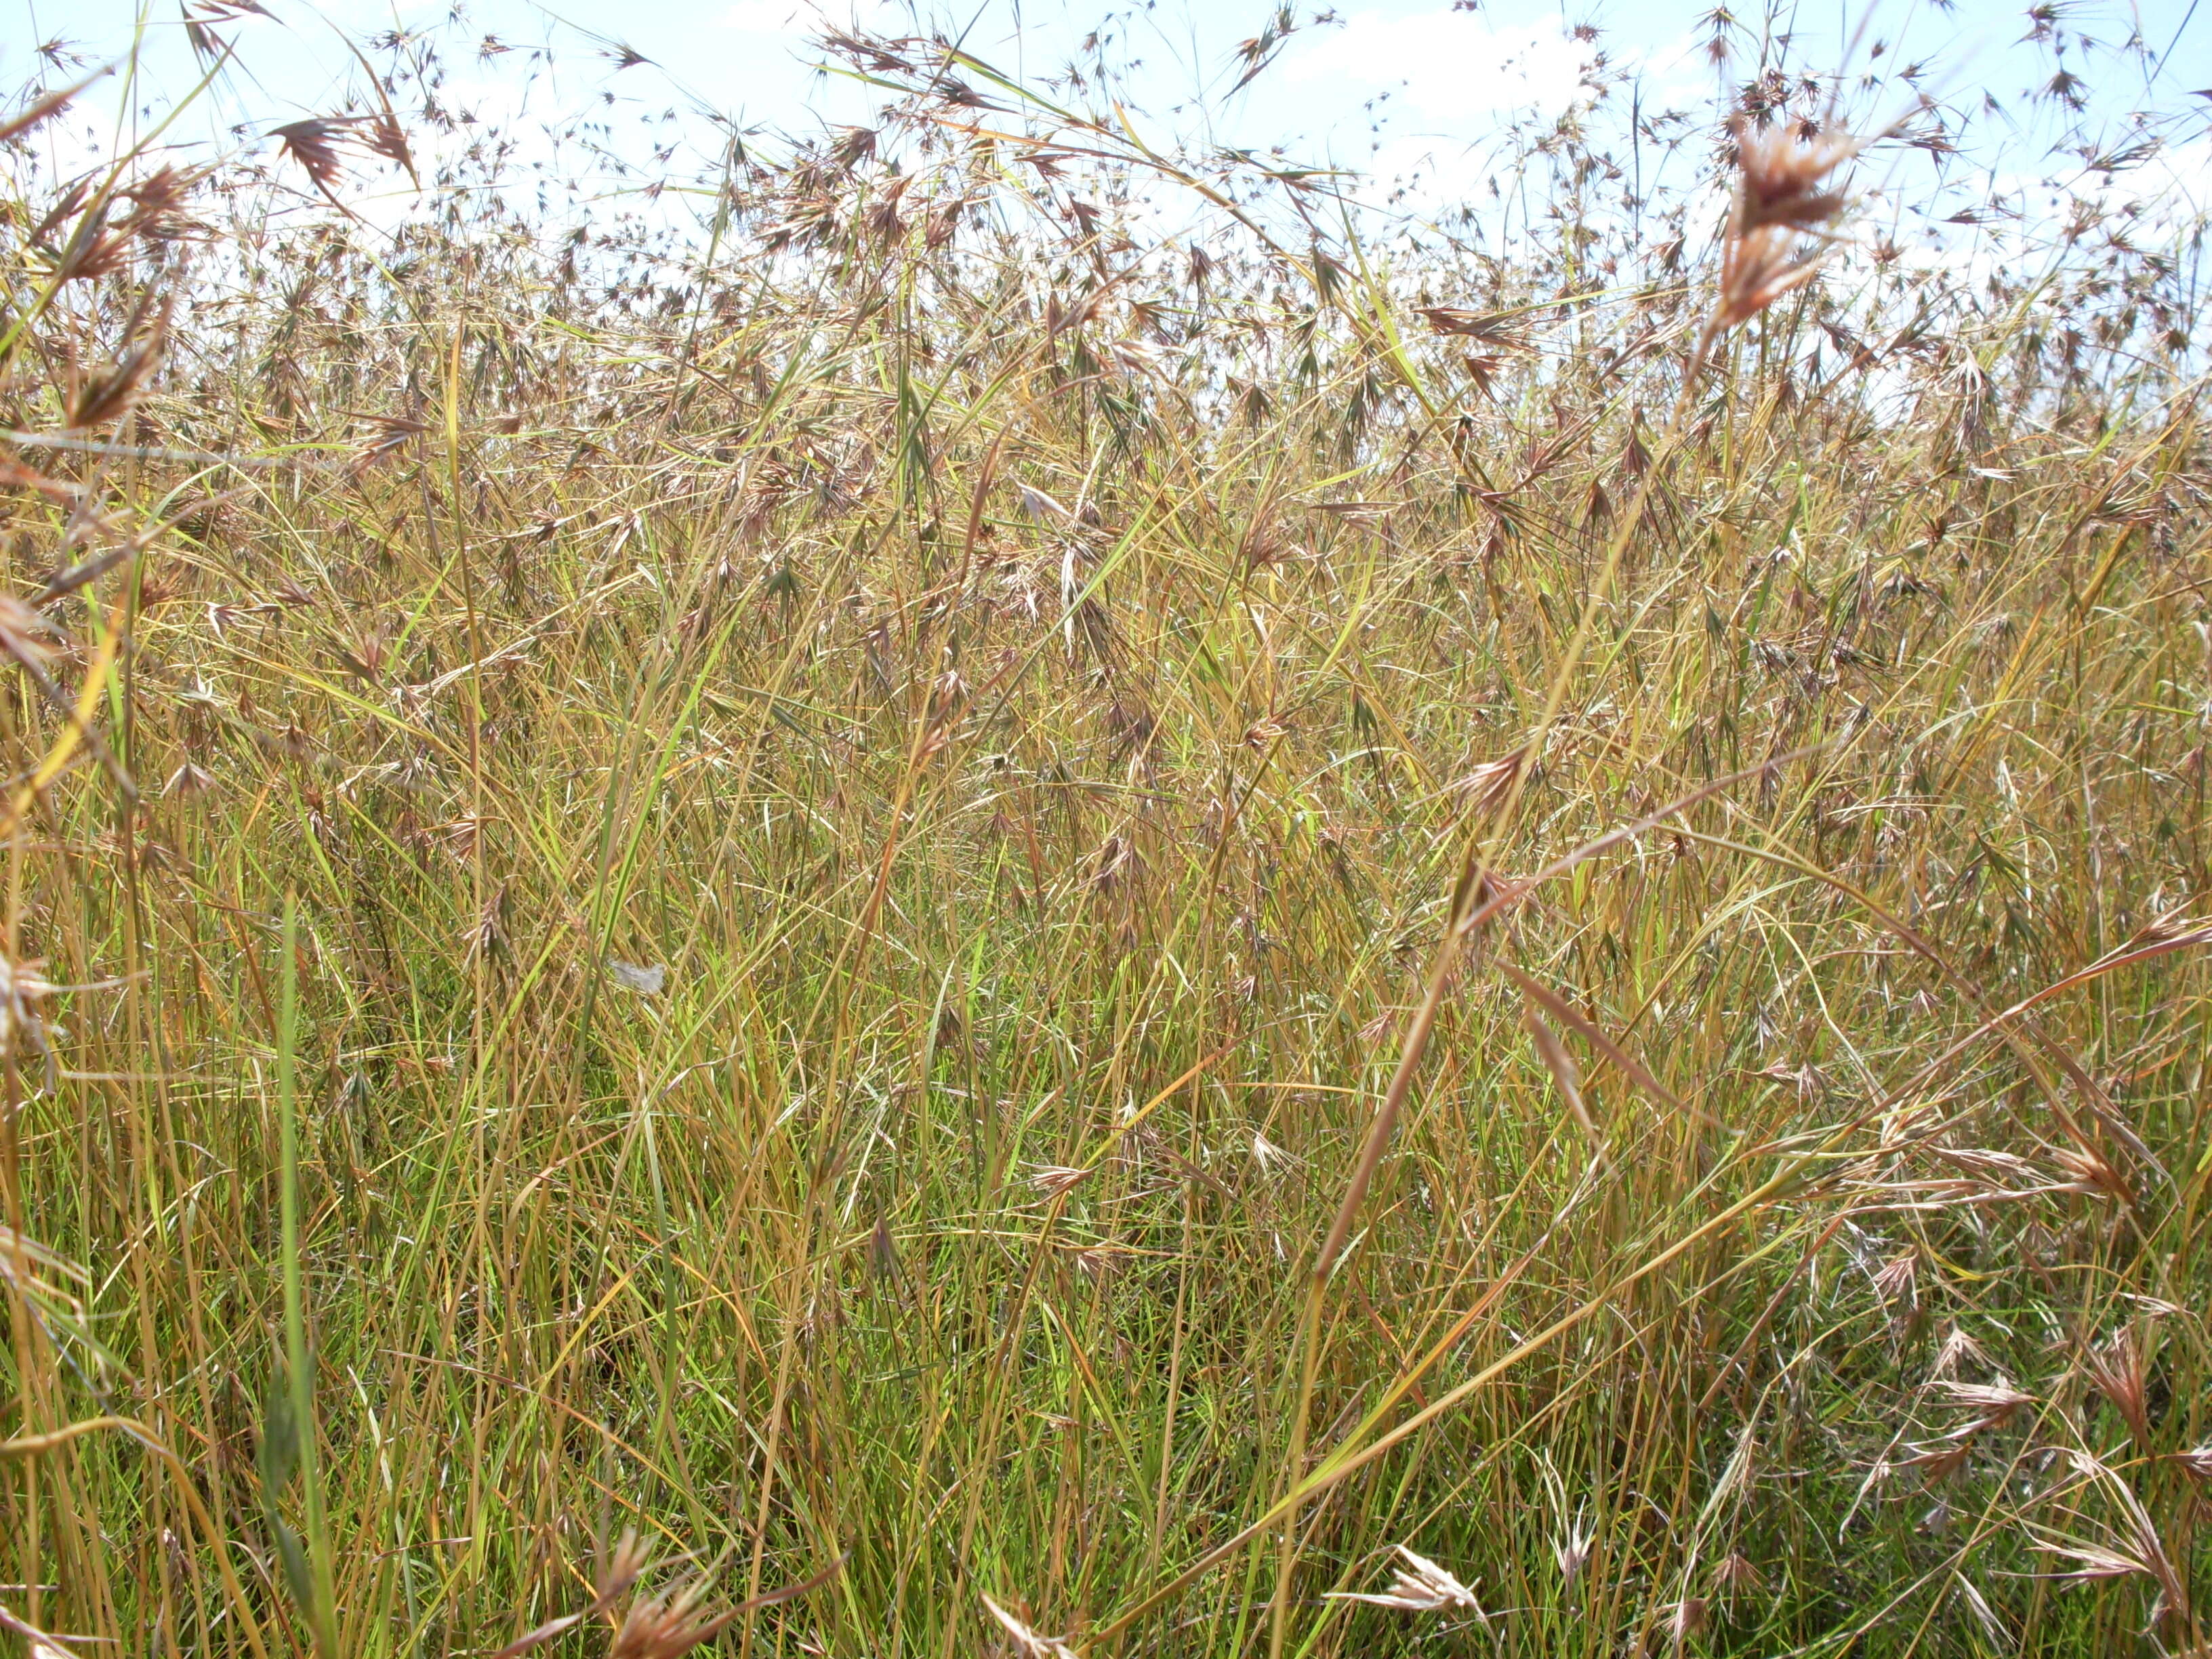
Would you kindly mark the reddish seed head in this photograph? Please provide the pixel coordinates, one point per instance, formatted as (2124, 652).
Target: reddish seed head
(1779, 196)
(313, 144)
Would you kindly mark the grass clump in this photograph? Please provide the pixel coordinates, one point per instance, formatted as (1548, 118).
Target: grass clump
(1004, 919)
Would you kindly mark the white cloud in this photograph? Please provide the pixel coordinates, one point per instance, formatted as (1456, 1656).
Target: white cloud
(1449, 65)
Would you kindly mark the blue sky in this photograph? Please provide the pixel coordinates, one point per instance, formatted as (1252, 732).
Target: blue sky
(1389, 85)
(1441, 68)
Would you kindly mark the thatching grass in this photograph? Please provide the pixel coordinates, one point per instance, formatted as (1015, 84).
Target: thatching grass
(785, 912)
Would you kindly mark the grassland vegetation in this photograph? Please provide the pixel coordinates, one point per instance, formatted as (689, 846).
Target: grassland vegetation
(1045, 895)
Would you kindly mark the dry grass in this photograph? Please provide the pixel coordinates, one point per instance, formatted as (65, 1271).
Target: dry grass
(1024, 931)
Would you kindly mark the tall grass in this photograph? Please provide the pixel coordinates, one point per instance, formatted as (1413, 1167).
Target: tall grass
(1090, 936)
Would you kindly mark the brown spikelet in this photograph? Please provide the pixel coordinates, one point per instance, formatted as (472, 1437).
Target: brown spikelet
(157, 205)
(1492, 329)
(66, 207)
(1994, 1404)
(942, 225)
(1738, 1572)
(1896, 1280)
(95, 248)
(109, 394)
(188, 782)
(882, 216)
(2091, 1174)
(1564, 1072)
(1052, 1179)
(1487, 787)
(23, 987)
(44, 108)
(618, 1573)
(665, 1625)
(390, 435)
(2134, 1544)
(313, 143)
(1635, 454)
(2120, 1372)
(1941, 1460)
(20, 626)
(1780, 197)
(1689, 1617)
(102, 241)
(1027, 1642)
(385, 137)
(854, 146)
(1421, 1586)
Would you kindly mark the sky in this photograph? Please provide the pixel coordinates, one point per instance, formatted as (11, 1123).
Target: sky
(1388, 87)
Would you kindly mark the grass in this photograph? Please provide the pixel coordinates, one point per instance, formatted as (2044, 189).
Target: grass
(1058, 944)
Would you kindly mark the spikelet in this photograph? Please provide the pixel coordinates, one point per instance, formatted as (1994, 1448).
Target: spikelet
(1782, 196)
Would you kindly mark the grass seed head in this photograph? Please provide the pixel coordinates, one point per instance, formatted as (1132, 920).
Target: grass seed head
(43, 108)
(20, 630)
(666, 1624)
(1421, 1586)
(1782, 197)
(1737, 1572)
(1573, 1550)
(2092, 1175)
(1995, 1404)
(313, 143)
(22, 988)
(109, 394)
(189, 782)
(1689, 1619)
(1027, 1642)
(2120, 1372)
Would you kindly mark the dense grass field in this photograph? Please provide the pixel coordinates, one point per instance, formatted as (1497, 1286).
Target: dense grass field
(1057, 931)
